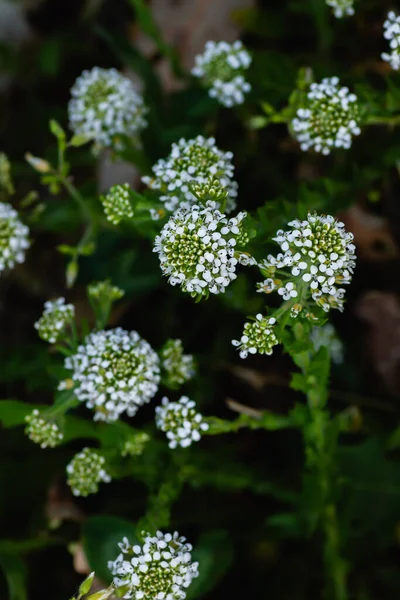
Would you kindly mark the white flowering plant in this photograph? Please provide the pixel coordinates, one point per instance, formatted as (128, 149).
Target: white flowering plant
(190, 255)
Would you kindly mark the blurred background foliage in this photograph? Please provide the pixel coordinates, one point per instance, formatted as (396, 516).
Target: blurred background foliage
(244, 503)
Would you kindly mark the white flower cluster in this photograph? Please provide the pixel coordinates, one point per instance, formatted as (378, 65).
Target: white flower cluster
(196, 248)
(319, 254)
(13, 237)
(341, 8)
(55, 318)
(104, 104)
(180, 422)
(221, 67)
(190, 162)
(41, 431)
(86, 471)
(329, 119)
(117, 204)
(326, 336)
(178, 367)
(114, 371)
(392, 33)
(258, 336)
(160, 569)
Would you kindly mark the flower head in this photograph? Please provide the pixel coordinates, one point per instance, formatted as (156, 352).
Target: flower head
(180, 421)
(258, 336)
(222, 67)
(326, 336)
(86, 471)
(13, 237)
(55, 318)
(160, 569)
(42, 431)
(392, 33)
(329, 119)
(196, 248)
(102, 291)
(136, 444)
(104, 104)
(341, 8)
(114, 371)
(319, 256)
(178, 367)
(116, 203)
(190, 162)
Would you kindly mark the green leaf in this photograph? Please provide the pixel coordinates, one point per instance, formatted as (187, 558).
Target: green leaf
(13, 412)
(57, 130)
(101, 535)
(15, 573)
(80, 140)
(214, 553)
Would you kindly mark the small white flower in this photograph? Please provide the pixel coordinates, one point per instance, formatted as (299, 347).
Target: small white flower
(318, 255)
(341, 8)
(258, 337)
(104, 104)
(326, 336)
(160, 569)
(196, 161)
(55, 318)
(13, 237)
(392, 34)
(330, 118)
(86, 471)
(180, 421)
(178, 367)
(196, 248)
(42, 431)
(114, 371)
(221, 68)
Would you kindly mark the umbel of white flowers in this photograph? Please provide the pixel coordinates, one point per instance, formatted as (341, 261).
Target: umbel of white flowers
(326, 337)
(341, 8)
(85, 472)
(180, 422)
(196, 248)
(222, 67)
(177, 366)
(329, 118)
(392, 33)
(55, 318)
(42, 431)
(160, 569)
(13, 237)
(318, 256)
(105, 104)
(190, 162)
(114, 371)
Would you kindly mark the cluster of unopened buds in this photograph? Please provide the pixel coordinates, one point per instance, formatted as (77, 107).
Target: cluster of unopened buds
(85, 471)
(56, 317)
(177, 366)
(43, 431)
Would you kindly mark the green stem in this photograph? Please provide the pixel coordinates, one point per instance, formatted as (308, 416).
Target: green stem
(382, 120)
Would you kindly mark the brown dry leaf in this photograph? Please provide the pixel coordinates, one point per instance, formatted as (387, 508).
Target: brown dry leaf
(188, 25)
(61, 507)
(381, 311)
(372, 235)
